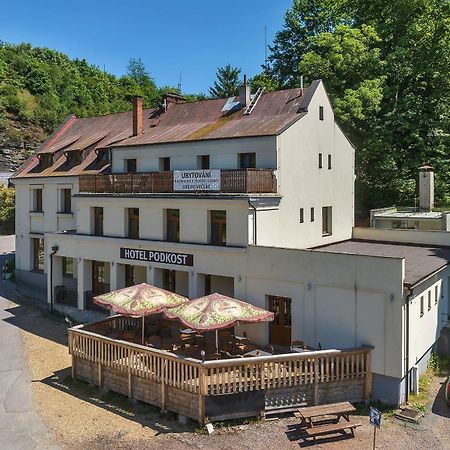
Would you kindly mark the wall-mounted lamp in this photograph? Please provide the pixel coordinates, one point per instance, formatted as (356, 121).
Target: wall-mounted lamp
(391, 297)
(239, 278)
(309, 286)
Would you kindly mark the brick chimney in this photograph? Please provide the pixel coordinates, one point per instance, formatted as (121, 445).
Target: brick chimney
(244, 93)
(426, 188)
(137, 115)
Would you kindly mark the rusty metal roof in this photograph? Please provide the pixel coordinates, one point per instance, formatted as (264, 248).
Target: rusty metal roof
(204, 120)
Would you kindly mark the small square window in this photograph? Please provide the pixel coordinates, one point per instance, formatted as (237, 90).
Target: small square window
(421, 306)
(164, 164)
(203, 162)
(329, 162)
(320, 160)
(131, 165)
(247, 160)
(320, 112)
(302, 215)
(429, 300)
(312, 215)
(436, 295)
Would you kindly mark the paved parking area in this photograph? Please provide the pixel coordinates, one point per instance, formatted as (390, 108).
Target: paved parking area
(20, 426)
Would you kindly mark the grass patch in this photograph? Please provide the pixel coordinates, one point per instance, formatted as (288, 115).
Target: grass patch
(387, 411)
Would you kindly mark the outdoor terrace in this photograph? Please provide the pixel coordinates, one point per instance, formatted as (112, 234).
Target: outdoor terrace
(163, 373)
(232, 181)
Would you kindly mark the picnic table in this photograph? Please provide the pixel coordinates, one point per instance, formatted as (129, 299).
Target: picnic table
(335, 410)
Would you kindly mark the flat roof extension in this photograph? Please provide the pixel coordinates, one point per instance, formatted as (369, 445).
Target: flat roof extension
(420, 261)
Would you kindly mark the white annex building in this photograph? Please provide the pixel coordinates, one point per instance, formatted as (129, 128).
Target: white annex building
(251, 196)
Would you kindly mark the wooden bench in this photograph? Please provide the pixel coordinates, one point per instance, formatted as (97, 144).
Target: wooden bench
(326, 429)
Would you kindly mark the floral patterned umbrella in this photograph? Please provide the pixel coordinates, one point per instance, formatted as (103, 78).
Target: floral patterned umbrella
(217, 311)
(139, 301)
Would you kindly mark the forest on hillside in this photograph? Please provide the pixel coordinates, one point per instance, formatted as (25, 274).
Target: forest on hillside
(39, 87)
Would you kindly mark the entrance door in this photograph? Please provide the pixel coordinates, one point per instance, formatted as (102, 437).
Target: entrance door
(169, 280)
(280, 328)
(98, 278)
(129, 276)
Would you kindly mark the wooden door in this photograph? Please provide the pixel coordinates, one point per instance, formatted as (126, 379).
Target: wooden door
(98, 278)
(280, 328)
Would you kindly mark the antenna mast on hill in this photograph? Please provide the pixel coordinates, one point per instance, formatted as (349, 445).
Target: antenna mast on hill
(265, 45)
(179, 82)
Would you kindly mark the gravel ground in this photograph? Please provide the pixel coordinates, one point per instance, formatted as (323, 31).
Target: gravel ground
(80, 416)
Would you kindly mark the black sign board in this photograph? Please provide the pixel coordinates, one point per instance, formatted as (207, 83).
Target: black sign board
(179, 259)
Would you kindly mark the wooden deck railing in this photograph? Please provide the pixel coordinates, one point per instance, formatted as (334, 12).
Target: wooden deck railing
(232, 181)
(216, 377)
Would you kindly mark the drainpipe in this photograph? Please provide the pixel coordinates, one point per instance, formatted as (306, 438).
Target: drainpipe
(254, 222)
(408, 297)
(55, 248)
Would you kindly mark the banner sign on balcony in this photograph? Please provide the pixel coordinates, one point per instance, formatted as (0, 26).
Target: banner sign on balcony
(179, 259)
(196, 180)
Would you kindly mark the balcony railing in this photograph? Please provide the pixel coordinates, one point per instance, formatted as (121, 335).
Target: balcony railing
(233, 181)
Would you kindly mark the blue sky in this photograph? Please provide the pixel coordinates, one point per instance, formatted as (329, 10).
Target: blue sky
(193, 36)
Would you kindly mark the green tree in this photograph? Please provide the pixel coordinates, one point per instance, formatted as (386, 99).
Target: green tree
(227, 83)
(264, 80)
(7, 208)
(386, 66)
(305, 19)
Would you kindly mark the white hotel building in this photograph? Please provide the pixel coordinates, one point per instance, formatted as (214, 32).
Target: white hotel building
(251, 196)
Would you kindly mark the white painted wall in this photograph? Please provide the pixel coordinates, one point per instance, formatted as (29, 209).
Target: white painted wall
(193, 217)
(183, 156)
(304, 185)
(30, 224)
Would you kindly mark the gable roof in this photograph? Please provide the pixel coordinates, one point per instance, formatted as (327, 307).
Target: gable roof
(182, 122)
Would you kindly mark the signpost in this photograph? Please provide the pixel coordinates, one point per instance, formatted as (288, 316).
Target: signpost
(196, 180)
(375, 420)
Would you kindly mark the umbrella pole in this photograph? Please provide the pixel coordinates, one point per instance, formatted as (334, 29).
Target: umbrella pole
(217, 342)
(142, 330)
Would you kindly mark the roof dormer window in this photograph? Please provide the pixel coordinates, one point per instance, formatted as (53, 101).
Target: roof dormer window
(73, 158)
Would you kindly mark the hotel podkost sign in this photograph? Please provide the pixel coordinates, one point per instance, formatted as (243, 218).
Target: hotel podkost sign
(179, 259)
(196, 180)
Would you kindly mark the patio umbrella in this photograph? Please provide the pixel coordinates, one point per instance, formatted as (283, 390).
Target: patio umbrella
(216, 311)
(139, 301)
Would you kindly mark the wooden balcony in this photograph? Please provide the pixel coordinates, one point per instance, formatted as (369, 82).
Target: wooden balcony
(233, 181)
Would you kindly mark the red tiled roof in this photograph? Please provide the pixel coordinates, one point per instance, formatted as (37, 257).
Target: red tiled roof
(205, 120)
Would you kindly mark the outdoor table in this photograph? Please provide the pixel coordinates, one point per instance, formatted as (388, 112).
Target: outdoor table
(188, 331)
(256, 353)
(300, 349)
(342, 409)
(241, 338)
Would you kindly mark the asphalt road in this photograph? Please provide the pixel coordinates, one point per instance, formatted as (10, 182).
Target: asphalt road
(20, 426)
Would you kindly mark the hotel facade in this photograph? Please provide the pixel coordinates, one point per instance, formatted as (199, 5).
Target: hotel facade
(252, 197)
